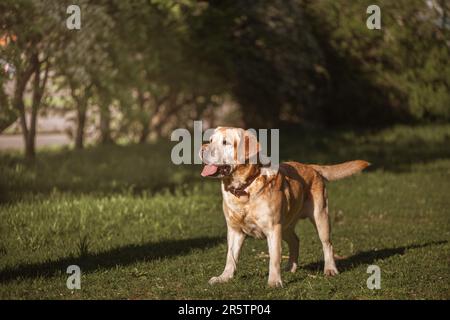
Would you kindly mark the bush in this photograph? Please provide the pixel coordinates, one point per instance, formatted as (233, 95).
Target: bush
(400, 72)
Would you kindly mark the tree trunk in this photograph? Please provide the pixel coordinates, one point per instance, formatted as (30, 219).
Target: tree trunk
(143, 119)
(23, 76)
(81, 103)
(105, 125)
(145, 131)
(19, 90)
(81, 123)
(38, 92)
(30, 144)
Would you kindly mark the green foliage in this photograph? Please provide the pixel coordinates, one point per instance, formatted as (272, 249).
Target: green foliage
(429, 86)
(400, 72)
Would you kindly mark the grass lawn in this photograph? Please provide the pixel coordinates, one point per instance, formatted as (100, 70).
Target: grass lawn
(142, 228)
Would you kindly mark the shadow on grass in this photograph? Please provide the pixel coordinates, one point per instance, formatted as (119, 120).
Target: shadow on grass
(121, 256)
(369, 257)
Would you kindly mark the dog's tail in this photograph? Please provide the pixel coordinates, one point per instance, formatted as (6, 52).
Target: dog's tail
(342, 170)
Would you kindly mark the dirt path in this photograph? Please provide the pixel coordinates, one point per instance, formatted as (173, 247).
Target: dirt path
(15, 142)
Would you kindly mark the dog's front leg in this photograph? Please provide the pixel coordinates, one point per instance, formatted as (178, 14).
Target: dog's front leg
(274, 243)
(235, 239)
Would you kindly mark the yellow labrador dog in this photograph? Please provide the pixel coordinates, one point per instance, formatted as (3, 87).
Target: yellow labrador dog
(263, 202)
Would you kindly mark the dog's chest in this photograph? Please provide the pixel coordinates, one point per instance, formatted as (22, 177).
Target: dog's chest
(240, 216)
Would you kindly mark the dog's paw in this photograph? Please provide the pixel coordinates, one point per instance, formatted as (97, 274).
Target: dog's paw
(291, 267)
(330, 272)
(275, 283)
(219, 279)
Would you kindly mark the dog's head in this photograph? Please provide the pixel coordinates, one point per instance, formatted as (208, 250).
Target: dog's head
(227, 149)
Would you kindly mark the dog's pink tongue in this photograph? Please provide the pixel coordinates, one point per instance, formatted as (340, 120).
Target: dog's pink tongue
(208, 170)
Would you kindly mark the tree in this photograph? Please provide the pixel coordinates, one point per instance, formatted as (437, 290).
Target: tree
(165, 86)
(86, 67)
(267, 53)
(398, 73)
(29, 50)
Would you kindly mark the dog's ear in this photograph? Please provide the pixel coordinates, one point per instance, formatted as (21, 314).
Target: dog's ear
(251, 146)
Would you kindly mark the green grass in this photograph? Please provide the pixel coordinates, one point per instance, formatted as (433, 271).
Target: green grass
(142, 228)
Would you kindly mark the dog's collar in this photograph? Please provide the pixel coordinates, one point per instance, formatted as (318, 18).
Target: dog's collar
(240, 191)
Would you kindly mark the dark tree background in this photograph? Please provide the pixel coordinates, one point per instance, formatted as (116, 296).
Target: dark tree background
(140, 69)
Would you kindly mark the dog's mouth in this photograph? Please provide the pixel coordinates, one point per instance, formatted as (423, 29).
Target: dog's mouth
(212, 170)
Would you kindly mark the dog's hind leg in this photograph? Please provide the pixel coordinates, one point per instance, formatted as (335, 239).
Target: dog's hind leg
(321, 221)
(292, 240)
